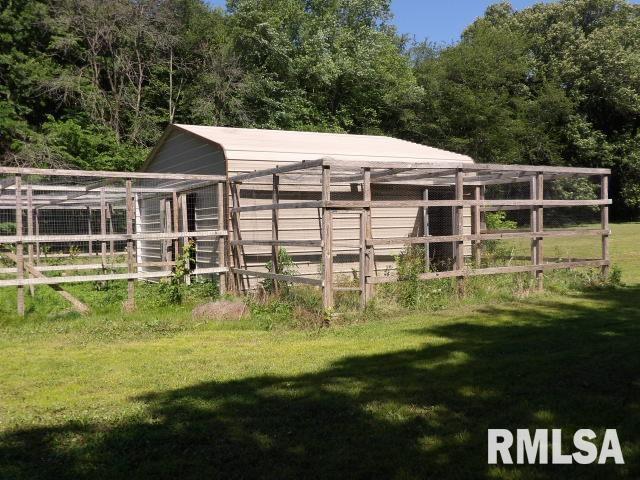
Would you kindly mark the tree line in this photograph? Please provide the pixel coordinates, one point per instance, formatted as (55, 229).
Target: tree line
(91, 84)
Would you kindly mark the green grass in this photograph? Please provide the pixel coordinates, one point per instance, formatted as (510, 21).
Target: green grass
(156, 394)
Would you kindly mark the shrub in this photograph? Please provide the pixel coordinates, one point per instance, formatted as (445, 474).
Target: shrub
(286, 266)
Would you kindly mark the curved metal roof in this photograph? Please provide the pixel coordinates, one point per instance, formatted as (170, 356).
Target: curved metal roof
(262, 144)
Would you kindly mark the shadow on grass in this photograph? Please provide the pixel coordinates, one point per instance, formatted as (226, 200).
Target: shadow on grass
(419, 413)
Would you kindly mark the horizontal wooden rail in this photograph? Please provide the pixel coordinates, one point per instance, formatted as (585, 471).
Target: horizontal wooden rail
(461, 203)
(301, 243)
(111, 236)
(493, 270)
(106, 277)
(485, 236)
(278, 276)
(105, 174)
(464, 166)
(276, 170)
(279, 206)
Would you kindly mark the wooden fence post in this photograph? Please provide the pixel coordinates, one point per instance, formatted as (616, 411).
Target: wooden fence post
(476, 223)
(130, 259)
(19, 244)
(103, 229)
(275, 198)
(163, 228)
(370, 253)
(185, 242)
(363, 260)
(425, 231)
(111, 242)
(30, 232)
(459, 229)
(327, 244)
(176, 225)
(533, 220)
(540, 229)
(604, 224)
(37, 228)
(222, 250)
(89, 230)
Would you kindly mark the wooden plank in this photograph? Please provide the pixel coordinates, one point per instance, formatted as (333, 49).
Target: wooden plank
(533, 220)
(304, 164)
(103, 226)
(459, 230)
(604, 223)
(280, 206)
(130, 253)
(77, 304)
(486, 236)
(327, 246)
(476, 226)
(280, 277)
(375, 175)
(346, 289)
(175, 211)
(98, 266)
(275, 198)
(108, 277)
(19, 245)
(111, 242)
(370, 252)
(115, 236)
(222, 251)
(465, 166)
(539, 228)
(238, 251)
(425, 231)
(108, 174)
(30, 232)
(494, 270)
(298, 243)
(362, 273)
(37, 234)
(163, 228)
(459, 203)
(184, 213)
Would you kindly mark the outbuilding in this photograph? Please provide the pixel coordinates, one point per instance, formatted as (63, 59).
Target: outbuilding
(196, 149)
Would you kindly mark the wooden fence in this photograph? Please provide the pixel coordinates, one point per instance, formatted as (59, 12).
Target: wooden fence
(463, 178)
(31, 196)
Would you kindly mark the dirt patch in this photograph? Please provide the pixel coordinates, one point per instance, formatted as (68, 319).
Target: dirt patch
(221, 310)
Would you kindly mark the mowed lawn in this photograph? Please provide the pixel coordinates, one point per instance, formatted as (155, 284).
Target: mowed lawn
(408, 397)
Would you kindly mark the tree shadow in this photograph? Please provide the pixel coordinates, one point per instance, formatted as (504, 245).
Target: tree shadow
(415, 413)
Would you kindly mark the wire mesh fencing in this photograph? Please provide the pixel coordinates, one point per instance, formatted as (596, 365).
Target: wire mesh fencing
(61, 227)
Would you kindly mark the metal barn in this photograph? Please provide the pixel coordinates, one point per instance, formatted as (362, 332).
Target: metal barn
(226, 151)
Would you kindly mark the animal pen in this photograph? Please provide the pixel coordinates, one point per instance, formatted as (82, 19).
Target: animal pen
(545, 202)
(67, 226)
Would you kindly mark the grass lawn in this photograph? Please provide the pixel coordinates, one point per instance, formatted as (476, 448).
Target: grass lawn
(159, 395)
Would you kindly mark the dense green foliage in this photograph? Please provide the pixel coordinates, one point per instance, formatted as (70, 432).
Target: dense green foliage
(91, 84)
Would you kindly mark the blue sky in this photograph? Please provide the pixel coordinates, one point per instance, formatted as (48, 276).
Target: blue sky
(438, 20)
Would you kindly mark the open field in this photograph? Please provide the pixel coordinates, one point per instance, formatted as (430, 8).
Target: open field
(159, 395)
